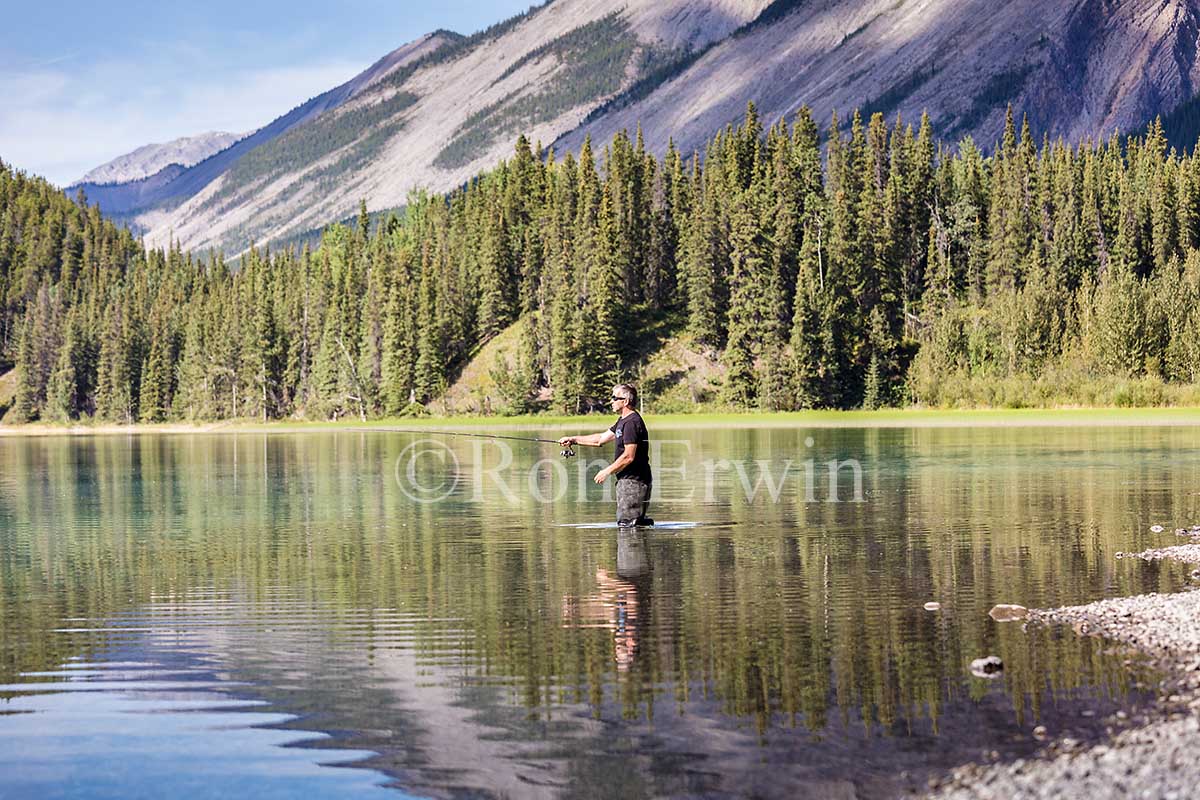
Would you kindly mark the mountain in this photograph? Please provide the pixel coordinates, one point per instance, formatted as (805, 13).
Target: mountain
(151, 158)
(441, 109)
(160, 189)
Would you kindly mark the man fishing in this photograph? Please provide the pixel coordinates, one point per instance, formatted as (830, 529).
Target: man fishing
(631, 462)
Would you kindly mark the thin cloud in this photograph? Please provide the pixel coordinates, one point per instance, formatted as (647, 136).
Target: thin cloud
(17, 69)
(52, 61)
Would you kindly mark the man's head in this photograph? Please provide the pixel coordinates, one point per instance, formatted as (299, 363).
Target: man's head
(624, 396)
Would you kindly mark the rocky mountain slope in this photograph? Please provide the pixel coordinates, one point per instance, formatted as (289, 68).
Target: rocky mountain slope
(149, 159)
(1077, 68)
(443, 108)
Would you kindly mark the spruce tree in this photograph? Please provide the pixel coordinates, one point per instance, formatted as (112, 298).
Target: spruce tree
(154, 396)
(587, 257)
(808, 368)
(606, 309)
(370, 365)
(744, 306)
(496, 295)
(114, 393)
(25, 401)
(706, 252)
(429, 378)
(65, 396)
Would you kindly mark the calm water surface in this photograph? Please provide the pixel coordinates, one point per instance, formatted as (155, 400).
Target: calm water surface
(277, 615)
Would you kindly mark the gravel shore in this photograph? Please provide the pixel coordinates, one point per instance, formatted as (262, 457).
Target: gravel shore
(1158, 757)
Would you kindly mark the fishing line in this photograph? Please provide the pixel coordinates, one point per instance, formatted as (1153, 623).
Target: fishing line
(566, 452)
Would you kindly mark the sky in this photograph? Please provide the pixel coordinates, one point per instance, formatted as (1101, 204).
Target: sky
(84, 82)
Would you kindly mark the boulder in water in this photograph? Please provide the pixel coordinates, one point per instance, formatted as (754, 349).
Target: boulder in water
(1008, 613)
(987, 667)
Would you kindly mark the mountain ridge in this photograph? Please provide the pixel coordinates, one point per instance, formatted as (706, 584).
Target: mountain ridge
(679, 69)
(151, 159)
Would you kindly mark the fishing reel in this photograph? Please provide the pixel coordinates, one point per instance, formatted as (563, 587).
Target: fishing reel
(568, 451)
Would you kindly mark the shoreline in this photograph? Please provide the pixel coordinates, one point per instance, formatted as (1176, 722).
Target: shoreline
(890, 418)
(1151, 756)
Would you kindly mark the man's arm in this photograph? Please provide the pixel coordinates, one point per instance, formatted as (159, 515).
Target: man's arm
(623, 461)
(588, 440)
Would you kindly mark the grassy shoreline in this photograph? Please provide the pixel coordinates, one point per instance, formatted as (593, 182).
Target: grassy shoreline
(890, 418)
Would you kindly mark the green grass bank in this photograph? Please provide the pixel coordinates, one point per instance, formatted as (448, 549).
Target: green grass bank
(559, 425)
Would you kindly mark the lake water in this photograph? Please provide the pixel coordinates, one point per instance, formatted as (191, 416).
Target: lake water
(386, 615)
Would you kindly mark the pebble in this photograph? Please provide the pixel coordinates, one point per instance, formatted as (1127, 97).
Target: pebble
(932, 606)
(1156, 528)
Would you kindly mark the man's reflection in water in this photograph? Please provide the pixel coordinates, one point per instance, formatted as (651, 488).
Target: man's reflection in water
(623, 601)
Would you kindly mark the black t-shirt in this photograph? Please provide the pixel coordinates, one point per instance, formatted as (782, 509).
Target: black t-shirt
(630, 429)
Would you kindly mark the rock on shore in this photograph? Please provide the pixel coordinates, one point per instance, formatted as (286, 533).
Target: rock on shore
(1155, 760)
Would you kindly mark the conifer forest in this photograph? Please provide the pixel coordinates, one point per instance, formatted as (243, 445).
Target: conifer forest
(860, 266)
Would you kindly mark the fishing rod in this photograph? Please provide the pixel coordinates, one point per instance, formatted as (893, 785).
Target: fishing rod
(566, 452)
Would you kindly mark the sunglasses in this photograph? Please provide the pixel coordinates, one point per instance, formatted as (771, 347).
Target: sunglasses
(614, 397)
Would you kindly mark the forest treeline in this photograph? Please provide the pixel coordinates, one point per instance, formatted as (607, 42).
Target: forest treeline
(864, 266)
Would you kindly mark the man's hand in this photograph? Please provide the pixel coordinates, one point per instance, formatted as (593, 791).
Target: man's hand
(567, 441)
(601, 475)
